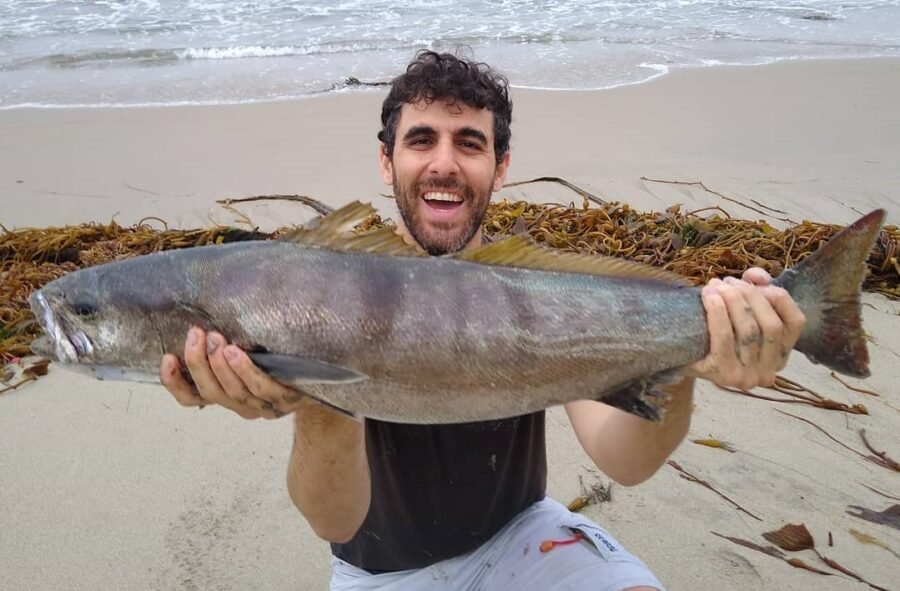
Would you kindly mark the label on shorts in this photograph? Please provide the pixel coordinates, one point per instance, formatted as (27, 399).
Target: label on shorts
(605, 544)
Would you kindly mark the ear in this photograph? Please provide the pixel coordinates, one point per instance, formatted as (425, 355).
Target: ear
(387, 167)
(500, 173)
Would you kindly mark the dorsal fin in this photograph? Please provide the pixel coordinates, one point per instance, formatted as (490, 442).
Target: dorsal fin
(380, 241)
(333, 227)
(520, 251)
(333, 231)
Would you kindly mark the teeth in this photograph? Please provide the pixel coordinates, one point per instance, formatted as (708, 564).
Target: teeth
(443, 197)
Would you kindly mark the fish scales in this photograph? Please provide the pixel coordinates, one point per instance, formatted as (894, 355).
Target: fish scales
(410, 324)
(421, 340)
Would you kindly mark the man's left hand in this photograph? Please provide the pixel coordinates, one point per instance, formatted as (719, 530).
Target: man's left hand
(753, 326)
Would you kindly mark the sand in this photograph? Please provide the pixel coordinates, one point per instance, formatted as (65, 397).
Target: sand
(114, 485)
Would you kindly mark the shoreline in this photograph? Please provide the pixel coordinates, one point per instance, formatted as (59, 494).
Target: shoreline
(369, 86)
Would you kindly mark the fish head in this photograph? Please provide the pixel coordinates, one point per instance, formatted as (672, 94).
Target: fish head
(65, 340)
(84, 321)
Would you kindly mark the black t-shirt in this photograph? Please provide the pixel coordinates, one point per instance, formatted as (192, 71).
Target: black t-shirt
(439, 491)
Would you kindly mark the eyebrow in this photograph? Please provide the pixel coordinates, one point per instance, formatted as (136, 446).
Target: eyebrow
(469, 132)
(419, 130)
(473, 133)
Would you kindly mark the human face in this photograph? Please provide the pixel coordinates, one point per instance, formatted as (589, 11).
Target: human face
(443, 170)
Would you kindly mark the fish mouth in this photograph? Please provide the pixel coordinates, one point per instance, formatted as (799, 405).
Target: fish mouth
(68, 343)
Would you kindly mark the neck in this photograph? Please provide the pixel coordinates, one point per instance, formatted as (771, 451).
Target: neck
(401, 230)
(475, 242)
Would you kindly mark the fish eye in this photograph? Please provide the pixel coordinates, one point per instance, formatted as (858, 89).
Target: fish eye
(84, 309)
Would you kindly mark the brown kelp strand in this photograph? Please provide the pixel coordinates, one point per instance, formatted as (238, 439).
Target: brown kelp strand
(596, 493)
(699, 248)
(692, 478)
(699, 245)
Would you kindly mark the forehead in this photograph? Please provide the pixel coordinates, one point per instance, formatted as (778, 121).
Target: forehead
(445, 116)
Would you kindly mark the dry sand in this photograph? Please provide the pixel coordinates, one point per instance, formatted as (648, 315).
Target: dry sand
(110, 485)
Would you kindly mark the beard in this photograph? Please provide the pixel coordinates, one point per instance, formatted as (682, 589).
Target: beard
(441, 239)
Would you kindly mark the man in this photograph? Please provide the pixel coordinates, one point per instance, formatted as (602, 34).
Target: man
(463, 506)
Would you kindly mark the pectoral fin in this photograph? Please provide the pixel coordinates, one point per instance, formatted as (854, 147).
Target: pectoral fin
(298, 370)
(300, 394)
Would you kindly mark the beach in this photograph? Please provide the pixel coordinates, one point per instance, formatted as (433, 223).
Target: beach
(115, 485)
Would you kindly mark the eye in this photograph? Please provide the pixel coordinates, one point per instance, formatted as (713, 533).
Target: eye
(84, 309)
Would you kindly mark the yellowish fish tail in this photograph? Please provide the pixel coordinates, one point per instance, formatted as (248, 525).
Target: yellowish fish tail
(826, 286)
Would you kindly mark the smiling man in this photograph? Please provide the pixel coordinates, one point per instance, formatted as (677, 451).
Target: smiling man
(463, 506)
(444, 158)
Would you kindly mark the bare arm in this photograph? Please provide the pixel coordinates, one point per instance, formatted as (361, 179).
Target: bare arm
(625, 447)
(328, 472)
(752, 327)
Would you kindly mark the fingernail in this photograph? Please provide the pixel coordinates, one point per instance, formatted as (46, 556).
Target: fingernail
(212, 343)
(731, 280)
(231, 353)
(193, 337)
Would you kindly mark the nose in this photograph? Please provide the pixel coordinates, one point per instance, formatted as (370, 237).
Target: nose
(443, 159)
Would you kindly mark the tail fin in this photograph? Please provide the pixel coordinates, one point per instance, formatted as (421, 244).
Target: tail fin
(826, 286)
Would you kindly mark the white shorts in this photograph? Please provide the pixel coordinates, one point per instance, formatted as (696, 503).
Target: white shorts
(512, 559)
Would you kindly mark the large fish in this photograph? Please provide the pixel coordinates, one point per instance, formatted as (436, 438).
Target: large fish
(372, 326)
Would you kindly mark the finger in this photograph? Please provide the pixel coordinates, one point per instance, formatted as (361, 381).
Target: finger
(196, 358)
(747, 334)
(260, 385)
(232, 385)
(771, 355)
(171, 377)
(716, 365)
(757, 276)
(792, 317)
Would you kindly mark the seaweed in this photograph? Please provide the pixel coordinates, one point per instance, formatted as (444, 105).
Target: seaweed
(698, 248)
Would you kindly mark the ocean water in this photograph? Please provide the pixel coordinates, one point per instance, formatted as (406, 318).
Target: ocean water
(169, 52)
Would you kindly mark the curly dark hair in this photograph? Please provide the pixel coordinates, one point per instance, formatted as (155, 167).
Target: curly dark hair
(435, 76)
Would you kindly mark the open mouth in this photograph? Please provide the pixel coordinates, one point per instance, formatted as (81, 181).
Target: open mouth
(68, 343)
(442, 202)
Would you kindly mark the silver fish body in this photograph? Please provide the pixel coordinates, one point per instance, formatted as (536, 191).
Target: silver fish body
(406, 339)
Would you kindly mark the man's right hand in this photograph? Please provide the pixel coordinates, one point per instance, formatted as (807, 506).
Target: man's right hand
(223, 374)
